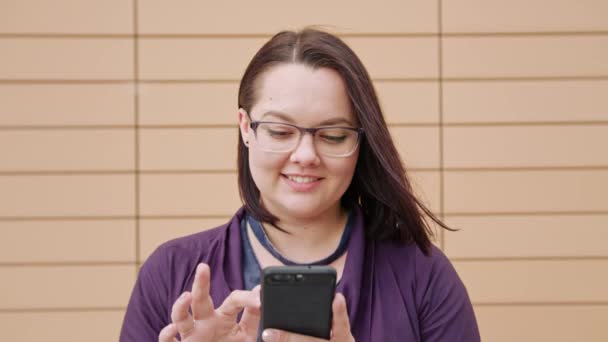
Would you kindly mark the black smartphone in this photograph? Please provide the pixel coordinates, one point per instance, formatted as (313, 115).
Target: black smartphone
(298, 299)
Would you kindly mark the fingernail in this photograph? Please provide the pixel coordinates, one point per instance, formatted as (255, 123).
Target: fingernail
(270, 335)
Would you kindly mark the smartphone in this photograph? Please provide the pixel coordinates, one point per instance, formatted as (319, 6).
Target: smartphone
(298, 299)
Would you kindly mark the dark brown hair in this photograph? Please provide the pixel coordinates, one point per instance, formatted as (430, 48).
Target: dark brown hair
(380, 184)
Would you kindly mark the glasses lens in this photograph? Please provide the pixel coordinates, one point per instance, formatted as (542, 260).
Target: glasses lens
(336, 141)
(277, 137)
(329, 141)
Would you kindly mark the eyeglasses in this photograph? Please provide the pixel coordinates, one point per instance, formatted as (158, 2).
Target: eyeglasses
(329, 141)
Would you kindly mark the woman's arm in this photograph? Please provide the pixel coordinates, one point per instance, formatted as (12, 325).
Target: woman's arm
(445, 311)
(147, 310)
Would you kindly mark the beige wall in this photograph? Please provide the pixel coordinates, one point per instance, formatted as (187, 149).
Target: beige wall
(117, 132)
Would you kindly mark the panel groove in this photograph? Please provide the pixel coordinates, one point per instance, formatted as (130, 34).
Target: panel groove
(528, 78)
(213, 216)
(529, 168)
(60, 35)
(137, 131)
(65, 81)
(526, 213)
(573, 303)
(453, 259)
(197, 126)
(441, 123)
(531, 258)
(527, 123)
(67, 263)
(42, 310)
(374, 79)
(232, 171)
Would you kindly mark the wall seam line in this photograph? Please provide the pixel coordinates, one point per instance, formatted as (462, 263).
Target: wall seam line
(136, 129)
(440, 108)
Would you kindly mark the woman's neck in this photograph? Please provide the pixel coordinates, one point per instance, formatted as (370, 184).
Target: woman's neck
(308, 239)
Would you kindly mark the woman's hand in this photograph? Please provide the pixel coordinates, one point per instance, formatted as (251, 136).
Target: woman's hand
(340, 331)
(208, 324)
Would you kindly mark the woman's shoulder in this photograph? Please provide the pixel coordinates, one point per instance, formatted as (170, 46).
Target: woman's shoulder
(199, 241)
(411, 252)
(198, 246)
(182, 254)
(412, 265)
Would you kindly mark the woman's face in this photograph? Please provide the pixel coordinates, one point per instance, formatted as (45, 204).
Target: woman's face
(300, 184)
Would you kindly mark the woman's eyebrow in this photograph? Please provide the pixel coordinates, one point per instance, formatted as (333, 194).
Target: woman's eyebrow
(335, 121)
(286, 117)
(278, 115)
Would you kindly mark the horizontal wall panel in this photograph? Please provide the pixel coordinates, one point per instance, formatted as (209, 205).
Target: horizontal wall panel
(67, 241)
(216, 103)
(190, 16)
(524, 16)
(67, 195)
(189, 194)
(66, 59)
(525, 191)
(153, 233)
(226, 59)
(409, 102)
(66, 286)
(535, 281)
(525, 101)
(426, 186)
(184, 104)
(38, 150)
(527, 236)
(397, 57)
(91, 326)
(65, 16)
(196, 58)
(525, 146)
(556, 323)
(531, 56)
(417, 146)
(66, 104)
(188, 149)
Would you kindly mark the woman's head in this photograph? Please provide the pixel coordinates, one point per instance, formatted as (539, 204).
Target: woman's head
(313, 79)
(300, 175)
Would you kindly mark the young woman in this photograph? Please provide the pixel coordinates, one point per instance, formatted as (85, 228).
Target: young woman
(322, 183)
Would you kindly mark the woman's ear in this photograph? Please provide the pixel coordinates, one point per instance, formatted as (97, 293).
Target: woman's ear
(244, 126)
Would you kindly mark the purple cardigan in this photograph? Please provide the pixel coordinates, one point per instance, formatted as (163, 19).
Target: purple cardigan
(393, 291)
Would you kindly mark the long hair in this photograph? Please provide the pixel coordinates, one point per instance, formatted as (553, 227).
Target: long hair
(380, 184)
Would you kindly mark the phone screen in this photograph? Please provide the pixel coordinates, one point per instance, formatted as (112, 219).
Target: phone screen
(298, 299)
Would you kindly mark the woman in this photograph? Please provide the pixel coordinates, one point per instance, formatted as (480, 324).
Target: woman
(322, 183)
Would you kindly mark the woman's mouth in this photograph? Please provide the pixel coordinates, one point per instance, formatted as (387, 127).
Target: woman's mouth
(303, 179)
(302, 183)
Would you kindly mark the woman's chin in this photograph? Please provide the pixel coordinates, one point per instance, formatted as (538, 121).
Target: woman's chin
(303, 211)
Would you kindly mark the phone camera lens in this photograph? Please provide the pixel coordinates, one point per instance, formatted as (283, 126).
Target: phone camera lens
(282, 278)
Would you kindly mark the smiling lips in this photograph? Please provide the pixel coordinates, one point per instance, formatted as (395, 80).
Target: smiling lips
(302, 183)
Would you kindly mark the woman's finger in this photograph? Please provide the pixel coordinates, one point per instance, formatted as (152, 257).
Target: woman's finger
(251, 316)
(237, 301)
(202, 304)
(180, 316)
(168, 333)
(341, 324)
(274, 335)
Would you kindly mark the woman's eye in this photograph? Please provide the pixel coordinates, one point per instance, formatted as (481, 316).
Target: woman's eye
(274, 133)
(334, 138)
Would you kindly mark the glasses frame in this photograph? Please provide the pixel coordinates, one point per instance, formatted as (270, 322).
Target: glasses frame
(312, 131)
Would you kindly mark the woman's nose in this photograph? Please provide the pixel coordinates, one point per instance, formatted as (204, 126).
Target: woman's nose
(305, 152)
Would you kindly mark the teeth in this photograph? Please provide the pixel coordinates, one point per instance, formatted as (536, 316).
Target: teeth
(299, 179)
